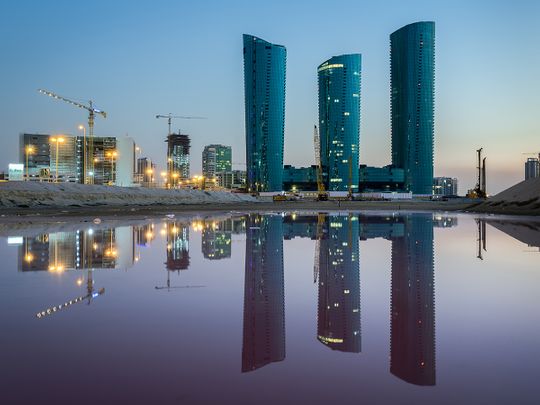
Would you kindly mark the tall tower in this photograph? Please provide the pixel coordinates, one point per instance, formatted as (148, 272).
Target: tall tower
(264, 92)
(412, 71)
(412, 337)
(178, 146)
(339, 120)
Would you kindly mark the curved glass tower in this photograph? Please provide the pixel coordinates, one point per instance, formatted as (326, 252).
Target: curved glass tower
(339, 121)
(264, 92)
(412, 71)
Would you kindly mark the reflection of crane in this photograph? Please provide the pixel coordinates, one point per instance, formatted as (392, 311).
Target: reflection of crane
(91, 113)
(52, 310)
(321, 219)
(322, 195)
(481, 237)
(168, 286)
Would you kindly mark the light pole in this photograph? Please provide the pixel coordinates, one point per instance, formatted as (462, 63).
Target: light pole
(83, 128)
(57, 141)
(29, 150)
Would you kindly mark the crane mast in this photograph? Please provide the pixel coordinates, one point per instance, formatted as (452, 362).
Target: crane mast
(91, 114)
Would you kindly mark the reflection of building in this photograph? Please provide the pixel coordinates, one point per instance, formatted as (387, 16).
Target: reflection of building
(339, 121)
(412, 342)
(264, 295)
(264, 92)
(338, 320)
(82, 249)
(216, 158)
(178, 146)
(412, 70)
(216, 239)
(177, 246)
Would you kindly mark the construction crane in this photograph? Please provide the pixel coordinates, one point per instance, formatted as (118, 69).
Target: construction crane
(169, 118)
(322, 195)
(479, 190)
(91, 114)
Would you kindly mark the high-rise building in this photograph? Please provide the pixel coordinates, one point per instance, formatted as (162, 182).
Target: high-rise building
(412, 333)
(264, 293)
(532, 168)
(412, 71)
(338, 314)
(264, 92)
(445, 186)
(178, 146)
(35, 147)
(339, 121)
(145, 172)
(215, 159)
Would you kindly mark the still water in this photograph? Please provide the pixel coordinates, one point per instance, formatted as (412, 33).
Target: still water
(336, 307)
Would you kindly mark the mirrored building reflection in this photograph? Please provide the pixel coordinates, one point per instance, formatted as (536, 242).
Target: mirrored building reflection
(412, 339)
(338, 315)
(216, 239)
(264, 293)
(177, 245)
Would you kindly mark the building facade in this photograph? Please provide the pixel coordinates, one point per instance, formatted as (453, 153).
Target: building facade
(216, 158)
(387, 178)
(412, 71)
(445, 186)
(178, 146)
(264, 92)
(299, 178)
(339, 121)
(532, 168)
(38, 148)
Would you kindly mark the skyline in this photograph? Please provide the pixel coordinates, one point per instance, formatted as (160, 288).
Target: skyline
(482, 98)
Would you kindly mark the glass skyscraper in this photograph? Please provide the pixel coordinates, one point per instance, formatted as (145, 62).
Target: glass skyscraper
(412, 71)
(339, 121)
(264, 92)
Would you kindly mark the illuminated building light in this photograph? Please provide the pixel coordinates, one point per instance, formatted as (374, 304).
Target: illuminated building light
(327, 340)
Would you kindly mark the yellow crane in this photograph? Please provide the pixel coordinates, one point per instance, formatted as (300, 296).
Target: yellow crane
(322, 195)
(92, 111)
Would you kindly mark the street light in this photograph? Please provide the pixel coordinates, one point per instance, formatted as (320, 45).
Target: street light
(83, 128)
(29, 150)
(57, 141)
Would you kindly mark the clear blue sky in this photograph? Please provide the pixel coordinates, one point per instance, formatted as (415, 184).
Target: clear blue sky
(137, 59)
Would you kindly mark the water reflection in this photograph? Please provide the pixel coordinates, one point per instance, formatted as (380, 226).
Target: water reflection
(264, 293)
(336, 237)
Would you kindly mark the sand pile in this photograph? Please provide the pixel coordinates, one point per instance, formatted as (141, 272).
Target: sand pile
(35, 194)
(522, 198)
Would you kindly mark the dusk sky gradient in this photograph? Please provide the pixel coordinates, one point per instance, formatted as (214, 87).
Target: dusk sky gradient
(139, 59)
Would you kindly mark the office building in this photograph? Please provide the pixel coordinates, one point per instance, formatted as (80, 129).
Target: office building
(145, 172)
(387, 178)
(299, 178)
(215, 159)
(339, 121)
(412, 71)
(412, 332)
(264, 92)
(39, 154)
(264, 293)
(532, 168)
(445, 186)
(178, 146)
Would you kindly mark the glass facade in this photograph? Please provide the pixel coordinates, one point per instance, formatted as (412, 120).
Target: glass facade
(412, 71)
(215, 159)
(264, 91)
(339, 121)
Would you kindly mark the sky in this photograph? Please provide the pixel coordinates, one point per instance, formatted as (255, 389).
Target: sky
(139, 59)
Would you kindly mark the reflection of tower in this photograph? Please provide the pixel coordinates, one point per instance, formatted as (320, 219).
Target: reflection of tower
(264, 293)
(177, 246)
(34, 253)
(338, 320)
(412, 342)
(216, 239)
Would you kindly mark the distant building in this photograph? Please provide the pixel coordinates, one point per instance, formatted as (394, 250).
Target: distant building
(264, 92)
(445, 186)
(339, 121)
(299, 178)
(412, 71)
(387, 178)
(532, 168)
(39, 159)
(231, 179)
(216, 158)
(145, 172)
(178, 146)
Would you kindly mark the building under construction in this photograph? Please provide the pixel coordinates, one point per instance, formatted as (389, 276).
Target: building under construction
(178, 146)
